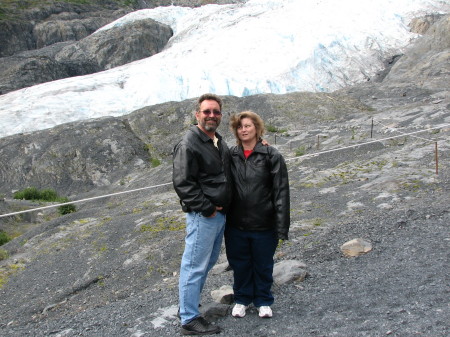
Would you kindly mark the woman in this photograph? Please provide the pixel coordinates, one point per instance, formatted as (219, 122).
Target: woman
(259, 214)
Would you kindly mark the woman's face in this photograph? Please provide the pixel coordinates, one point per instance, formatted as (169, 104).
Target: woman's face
(247, 130)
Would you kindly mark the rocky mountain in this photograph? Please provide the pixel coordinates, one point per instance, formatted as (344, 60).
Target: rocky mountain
(110, 268)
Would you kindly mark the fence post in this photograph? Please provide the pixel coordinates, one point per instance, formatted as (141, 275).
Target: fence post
(318, 141)
(371, 129)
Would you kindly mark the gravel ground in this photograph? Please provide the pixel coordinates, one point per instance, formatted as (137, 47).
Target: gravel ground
(111, 268)
(400, 288)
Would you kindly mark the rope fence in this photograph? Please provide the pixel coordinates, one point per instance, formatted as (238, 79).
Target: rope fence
(286, 159)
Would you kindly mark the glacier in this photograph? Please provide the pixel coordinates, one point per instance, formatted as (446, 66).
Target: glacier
(262, 46)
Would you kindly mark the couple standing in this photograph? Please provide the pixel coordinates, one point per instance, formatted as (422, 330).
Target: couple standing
(242, 192)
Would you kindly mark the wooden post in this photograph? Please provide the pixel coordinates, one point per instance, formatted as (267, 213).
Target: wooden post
(275, 139)
(436, 156)
(318, 141)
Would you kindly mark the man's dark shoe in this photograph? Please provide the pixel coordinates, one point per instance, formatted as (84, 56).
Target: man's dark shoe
(199, 326)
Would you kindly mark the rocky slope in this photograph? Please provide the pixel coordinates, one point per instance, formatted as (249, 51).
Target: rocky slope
(110, 269)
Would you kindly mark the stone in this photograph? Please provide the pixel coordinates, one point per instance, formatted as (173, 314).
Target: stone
(356, 247)
(220, 268)
(288, 271)
(224, 295)
(212, 311)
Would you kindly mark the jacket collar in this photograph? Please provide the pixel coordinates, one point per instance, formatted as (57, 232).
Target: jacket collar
(203, 136)
(259, 148)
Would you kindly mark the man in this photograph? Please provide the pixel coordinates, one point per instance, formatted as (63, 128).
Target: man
(201, 172)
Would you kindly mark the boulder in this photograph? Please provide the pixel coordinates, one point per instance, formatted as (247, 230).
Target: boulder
(116, 46)
(288, 271)
(224, 295)
(356, 247)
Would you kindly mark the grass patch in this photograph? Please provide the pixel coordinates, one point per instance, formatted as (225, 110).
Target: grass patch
(155, 162)
(300, 151)
(170, 223)
(7, 271)
(274, 129)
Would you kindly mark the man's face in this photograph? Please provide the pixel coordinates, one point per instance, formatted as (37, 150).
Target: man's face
(209, 116)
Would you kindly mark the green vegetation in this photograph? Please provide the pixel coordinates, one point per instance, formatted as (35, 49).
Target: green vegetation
(4, 237)
(300, 151)
(48, 195)
(170, 223)
(155, 162)
(3, 254)
(274, 129)
(7, 271)
(32, 193)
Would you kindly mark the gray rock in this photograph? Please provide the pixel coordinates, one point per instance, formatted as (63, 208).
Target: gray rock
(115, 47)
(287, 271)
(426, 63)
(223, 295)
(67, 157)
(356, 247)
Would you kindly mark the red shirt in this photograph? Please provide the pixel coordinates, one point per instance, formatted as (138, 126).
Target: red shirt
(247, 153)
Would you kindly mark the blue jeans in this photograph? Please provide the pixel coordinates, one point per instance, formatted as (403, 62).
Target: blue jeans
(203, 243)
(250, 254)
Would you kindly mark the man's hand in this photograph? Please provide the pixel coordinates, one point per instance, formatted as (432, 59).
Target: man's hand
(265, 142)
(218, 208)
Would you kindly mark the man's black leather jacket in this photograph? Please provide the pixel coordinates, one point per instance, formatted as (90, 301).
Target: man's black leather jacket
(260, 191)
(201, 173)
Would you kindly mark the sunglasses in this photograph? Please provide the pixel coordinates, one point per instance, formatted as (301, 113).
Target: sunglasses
(209, 112)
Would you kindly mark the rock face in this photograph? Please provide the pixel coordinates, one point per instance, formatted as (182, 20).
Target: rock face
(75, 157)
(49, 24)
(115, 47)
(40, 44)
(427, 62)
(96, 52)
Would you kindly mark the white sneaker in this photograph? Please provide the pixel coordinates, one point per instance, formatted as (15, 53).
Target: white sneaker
(265, 311)
(239, 310)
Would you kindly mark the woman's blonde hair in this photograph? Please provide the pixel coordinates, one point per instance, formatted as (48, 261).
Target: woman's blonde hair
(236, 121)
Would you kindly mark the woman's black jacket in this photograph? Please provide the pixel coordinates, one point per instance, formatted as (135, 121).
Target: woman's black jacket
(260, 191)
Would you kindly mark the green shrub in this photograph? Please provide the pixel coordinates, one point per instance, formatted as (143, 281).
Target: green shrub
(32, 193)
(4, 238)
(49, 195)
(66, 209)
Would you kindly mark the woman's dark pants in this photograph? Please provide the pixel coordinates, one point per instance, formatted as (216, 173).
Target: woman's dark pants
(250, 254)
